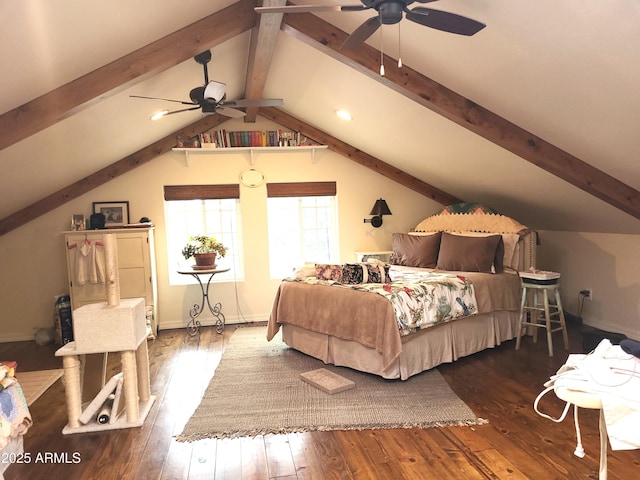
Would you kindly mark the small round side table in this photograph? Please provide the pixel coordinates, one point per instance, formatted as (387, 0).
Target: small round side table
(193, 327)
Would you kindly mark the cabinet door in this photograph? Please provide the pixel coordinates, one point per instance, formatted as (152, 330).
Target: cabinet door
(134, 269)
(133, 266)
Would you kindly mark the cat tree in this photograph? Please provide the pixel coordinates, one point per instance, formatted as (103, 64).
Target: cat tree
(115, 326)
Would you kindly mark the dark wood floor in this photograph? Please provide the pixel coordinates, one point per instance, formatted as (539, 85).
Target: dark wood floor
(500, 385)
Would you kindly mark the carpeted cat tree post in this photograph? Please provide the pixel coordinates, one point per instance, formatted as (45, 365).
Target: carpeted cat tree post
(102, 328)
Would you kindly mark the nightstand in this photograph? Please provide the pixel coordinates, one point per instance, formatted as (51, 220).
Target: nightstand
(382, 255)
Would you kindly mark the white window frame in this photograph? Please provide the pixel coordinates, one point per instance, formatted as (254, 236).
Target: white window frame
(220, 218)
(288, 232)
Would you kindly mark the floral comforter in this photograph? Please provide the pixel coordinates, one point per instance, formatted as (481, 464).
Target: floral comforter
(420, 299)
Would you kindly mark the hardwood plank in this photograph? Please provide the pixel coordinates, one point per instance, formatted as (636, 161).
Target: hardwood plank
(202, 464)
(363, 453)
(487, 461)
(189, 385)
(403, 455)
(228, 459)
(176, 464)
(498, 384)
(279, 457)
(254, 458)
(306, 461)
(334, 464)
(438, 462)
(487, 437)
(163, 357)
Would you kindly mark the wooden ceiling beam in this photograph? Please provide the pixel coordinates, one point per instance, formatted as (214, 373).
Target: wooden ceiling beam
(263, 43)
(462, 111)
(288, 121)
(46, 110)
(122, 166)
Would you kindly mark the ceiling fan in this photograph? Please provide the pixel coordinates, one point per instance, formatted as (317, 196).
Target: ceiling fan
(210, 97)
(389, 12)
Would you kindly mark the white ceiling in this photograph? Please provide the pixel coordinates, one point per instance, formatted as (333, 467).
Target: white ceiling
(565, 70)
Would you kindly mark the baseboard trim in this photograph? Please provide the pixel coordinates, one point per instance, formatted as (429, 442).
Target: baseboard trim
(211, 321)
(611, 327)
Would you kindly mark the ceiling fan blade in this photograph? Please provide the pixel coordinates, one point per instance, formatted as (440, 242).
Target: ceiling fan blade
(253, 102)
(311, 8)
(163, 99)
(230, 112)
(445, 21)
(197, 107)
(361, 33)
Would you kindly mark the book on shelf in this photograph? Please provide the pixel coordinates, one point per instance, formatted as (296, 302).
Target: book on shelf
(246, 138)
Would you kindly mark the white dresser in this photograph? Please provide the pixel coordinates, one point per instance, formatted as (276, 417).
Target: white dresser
(136, 269)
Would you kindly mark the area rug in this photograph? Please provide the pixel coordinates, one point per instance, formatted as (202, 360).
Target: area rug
(35, 383)
(257, 390)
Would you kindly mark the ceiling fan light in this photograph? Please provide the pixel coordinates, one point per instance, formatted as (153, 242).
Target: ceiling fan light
(158, 115)
(215, 90)
(344, 115)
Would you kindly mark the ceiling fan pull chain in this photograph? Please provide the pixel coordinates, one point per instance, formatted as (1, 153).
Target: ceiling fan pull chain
(399, 48)
(381, 54)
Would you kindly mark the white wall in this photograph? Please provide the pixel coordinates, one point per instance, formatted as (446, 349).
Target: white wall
(32, 257)
(606, 263)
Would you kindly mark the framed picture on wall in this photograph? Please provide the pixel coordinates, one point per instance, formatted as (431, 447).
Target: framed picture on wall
(77, 222)
(116, 214)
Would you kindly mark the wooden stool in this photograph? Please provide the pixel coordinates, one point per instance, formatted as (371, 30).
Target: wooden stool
(531, 310)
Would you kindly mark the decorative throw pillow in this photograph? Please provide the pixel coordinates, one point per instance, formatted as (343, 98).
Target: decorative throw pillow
(329, 272)
(354, 273)
(470, 254)
(415, 251)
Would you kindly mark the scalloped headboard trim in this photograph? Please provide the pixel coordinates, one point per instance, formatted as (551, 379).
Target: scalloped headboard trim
(473, 217)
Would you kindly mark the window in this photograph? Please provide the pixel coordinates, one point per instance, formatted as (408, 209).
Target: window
(208, 210)
(303, 223)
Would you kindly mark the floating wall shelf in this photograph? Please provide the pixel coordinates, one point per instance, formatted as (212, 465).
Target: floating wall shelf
(252, 151)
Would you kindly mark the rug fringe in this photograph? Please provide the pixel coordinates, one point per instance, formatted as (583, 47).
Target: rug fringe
(280, 431)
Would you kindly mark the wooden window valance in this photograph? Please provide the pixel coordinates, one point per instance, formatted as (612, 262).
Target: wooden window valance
(301, 189)
(201, 192)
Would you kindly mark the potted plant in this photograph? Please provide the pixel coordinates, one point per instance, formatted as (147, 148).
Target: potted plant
(204, 250)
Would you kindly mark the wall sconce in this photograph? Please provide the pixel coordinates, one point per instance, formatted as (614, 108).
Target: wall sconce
(379, 209)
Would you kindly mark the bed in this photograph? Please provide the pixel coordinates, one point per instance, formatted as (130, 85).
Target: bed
(348, 314)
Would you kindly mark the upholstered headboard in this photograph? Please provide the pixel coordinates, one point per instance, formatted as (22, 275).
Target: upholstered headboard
(476, 219)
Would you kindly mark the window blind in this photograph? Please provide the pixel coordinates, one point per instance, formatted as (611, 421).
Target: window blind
(201, 192)
(301, 189)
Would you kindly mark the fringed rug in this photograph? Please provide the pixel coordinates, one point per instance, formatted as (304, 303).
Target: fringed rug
(35, 383)
(257, 390)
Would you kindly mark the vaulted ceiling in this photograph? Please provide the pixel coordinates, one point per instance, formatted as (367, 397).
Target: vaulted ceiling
(536, 115)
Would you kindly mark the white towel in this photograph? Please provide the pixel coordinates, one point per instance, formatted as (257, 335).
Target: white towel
(614, 376)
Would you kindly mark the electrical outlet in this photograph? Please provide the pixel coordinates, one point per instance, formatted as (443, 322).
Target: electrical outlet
(587, 293)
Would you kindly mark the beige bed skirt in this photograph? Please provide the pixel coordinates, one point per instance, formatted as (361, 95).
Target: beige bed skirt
(421, 351)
